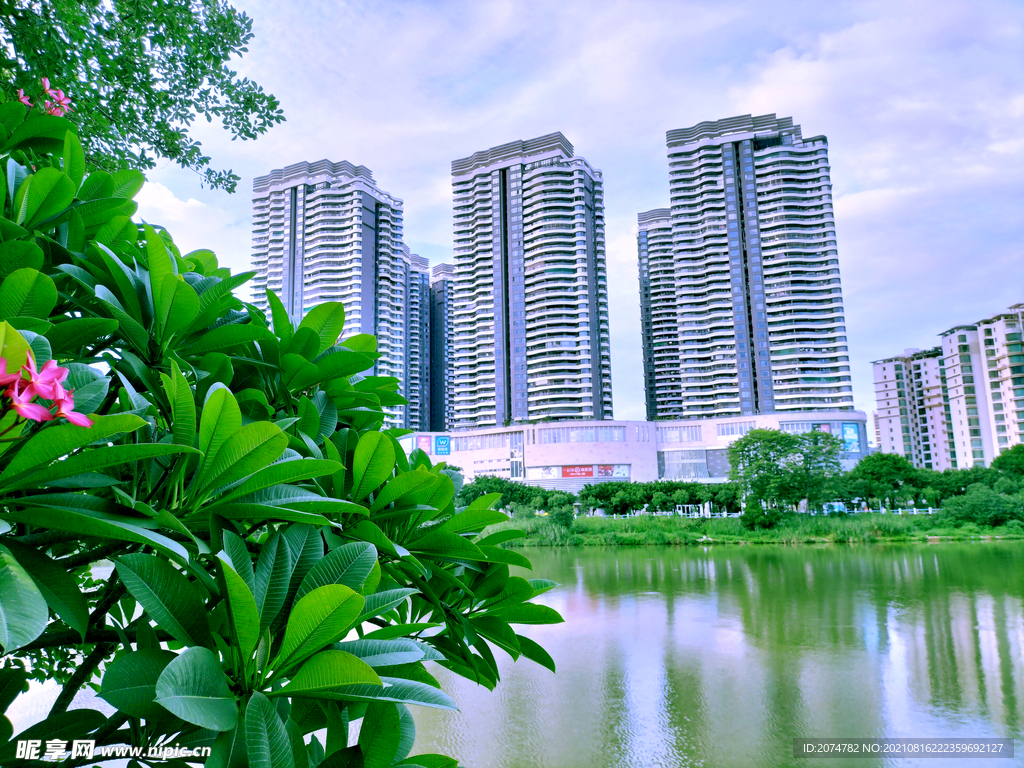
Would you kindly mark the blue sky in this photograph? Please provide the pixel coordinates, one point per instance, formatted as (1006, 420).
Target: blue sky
(922, 103)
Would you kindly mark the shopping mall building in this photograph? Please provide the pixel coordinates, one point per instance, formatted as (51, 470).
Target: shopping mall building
(567, 455)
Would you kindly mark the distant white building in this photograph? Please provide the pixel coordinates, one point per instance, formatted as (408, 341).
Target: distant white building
(570, 454)
(960, 404)
(324, 232)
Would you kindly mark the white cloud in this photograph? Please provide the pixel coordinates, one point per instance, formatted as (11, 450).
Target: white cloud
(921, 102)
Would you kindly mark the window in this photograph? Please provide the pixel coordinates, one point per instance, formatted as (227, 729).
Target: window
(735, 428)
(480, 442)
(582, 435)
(797, 427)
(682, 434)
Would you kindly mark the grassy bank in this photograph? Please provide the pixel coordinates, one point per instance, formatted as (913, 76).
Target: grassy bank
(798, 529)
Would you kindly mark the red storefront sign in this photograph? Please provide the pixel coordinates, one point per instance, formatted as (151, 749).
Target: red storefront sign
(586, 470)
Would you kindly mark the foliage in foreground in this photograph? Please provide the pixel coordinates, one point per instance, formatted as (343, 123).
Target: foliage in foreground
(234, 553)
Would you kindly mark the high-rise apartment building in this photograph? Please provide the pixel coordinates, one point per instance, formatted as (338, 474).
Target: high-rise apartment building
(913, 416)
(324, 232)
(985, 374)
(417, 329)
(745, 308)
(531, 298)
(442, 336)
(960, 404)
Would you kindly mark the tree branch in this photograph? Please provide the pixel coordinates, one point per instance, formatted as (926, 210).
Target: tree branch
(81, 677)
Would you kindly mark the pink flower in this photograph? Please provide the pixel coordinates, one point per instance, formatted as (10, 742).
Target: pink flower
(64, 408)
(55, 109)
(27, 410)
(7, 379)
(45, 383)
(47, 89)
(23, 98)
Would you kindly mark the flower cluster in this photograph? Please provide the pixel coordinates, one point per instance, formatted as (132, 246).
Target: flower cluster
(56, 103)
(46, 383)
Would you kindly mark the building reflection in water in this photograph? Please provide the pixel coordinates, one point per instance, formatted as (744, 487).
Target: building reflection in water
(720, 656)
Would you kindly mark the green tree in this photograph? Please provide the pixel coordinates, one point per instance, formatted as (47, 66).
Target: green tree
(816, 466)
(137, 75)
(280, 567)
(760, 463)
(1010, 462)
(662, 502)
(881, 475)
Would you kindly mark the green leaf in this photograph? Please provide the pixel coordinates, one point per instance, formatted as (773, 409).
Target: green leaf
(498, 632)
(129, 682)
(530, 613)
(161, 266)
(385, 600)
(473, 520)
(517, 590)
(273, 570)
(429, 761)
(487, 501)
(282, 324)
(61, 439)
(220, 419)
(396, 690)
(72, 334)
(23, 611)
(384, 653)
(372, 464)
(27, 293)
(349, 565)
(88, 516)
(19, 254)
(183, 407)
(339, 362)
(181, 309)
(447, 545)
(401, 488)
(73, 724)
(329, 670)
(397, 630)
(282, 472)
(245, 617)
(93, 460)
(229, 751)
(47, 192)
(534, 652)
(507, 556)
(74, 159)
(117, 232)
(327, 320)
(12, 681)
(127, 183)
(97, 184)
(266, 740)
(248, 450)
(408, 738)
(57, 586)
(168, 596)
(379, 735)
(195, 688)
(320, 618)
(227, 337)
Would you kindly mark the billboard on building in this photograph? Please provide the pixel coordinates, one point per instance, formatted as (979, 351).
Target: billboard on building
(822, 428)
(423, 442)
(578, 470)
(613, 470)
(442, 445)
(851, 436)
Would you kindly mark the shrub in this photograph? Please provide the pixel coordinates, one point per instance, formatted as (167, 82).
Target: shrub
(563, 516)
(280, 566)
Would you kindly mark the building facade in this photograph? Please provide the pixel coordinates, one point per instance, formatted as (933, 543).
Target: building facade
(419, 367)
(571, 454)
(960, 404)
(324, 232)
(442, 337)
(985, 371)
(531, 299)
(740, 290)
(913, 416)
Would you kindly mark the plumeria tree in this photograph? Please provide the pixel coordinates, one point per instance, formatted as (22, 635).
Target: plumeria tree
(202, 515)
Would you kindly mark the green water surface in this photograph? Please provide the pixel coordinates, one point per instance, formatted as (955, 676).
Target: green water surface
(722, 656)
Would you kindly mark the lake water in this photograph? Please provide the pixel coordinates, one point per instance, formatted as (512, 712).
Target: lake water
(721, 656)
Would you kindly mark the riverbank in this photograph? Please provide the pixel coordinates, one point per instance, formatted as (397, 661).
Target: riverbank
(798, 529)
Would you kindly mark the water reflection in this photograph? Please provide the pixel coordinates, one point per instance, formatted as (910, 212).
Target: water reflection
(721, 656)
